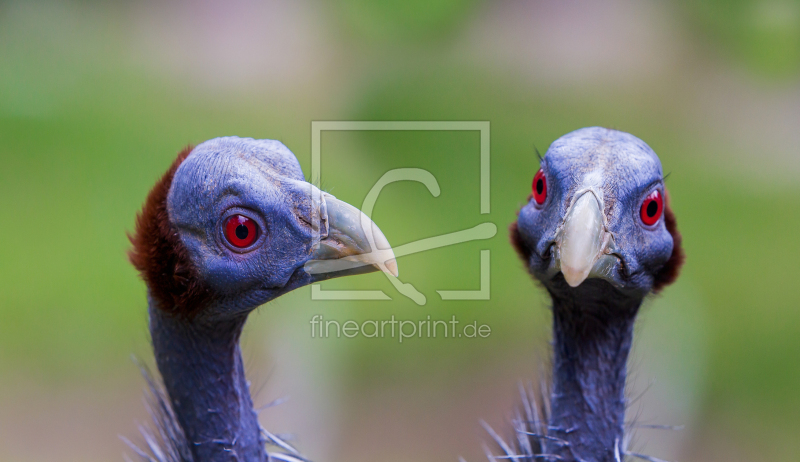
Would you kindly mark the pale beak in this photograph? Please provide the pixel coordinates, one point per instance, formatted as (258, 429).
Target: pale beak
(350, 243)
(583, 243)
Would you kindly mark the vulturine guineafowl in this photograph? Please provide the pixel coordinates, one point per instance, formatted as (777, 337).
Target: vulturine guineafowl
(230, 227)
(599, 236)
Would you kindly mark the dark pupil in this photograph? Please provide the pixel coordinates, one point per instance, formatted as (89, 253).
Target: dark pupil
(242, 231)
(539, 186)
(652, 208)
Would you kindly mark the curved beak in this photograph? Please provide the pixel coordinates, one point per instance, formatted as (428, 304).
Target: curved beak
(350, 243)
(584, 246)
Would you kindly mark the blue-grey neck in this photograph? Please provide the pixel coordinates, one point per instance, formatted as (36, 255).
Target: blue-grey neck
(201, 365)
(592, 335)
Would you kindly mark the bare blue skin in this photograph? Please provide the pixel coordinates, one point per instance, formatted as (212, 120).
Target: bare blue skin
(593, 323)
(199, 358)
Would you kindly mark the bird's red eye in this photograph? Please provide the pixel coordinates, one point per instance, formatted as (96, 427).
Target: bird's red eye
(652, 207)
(539, 187)
(241, 231)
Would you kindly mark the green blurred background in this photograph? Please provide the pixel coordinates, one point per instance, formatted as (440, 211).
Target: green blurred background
(96, 99)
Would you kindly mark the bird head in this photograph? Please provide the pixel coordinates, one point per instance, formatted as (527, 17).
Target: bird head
(597, 214)
(233, 222)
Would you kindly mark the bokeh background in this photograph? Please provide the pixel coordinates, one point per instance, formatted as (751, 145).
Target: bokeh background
(96, 99)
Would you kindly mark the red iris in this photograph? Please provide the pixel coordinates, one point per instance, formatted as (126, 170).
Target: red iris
(241, 231)
(539, 187)
(652, 207)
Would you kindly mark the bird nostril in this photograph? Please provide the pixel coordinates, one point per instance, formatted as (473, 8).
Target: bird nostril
(623, 268)
(548, 251)
(305, 221)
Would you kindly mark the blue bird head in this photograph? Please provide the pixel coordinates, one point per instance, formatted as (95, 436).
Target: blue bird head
(234, 223)
(599, 212)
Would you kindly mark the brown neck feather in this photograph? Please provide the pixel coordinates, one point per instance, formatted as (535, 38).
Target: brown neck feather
(672, 267)
(160, 256)
(516, 241)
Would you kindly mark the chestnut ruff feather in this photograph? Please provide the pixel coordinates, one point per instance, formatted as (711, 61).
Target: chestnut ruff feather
(516, 240)
(160, 256)
(669, 273)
